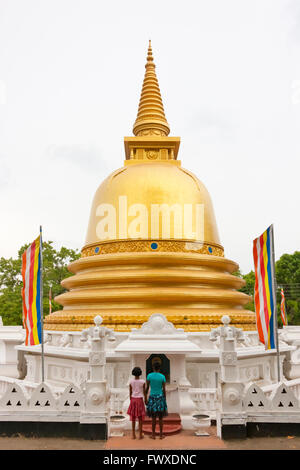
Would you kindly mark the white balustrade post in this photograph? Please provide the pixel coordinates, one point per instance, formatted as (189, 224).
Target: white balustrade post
(96, 388)
(231, 389)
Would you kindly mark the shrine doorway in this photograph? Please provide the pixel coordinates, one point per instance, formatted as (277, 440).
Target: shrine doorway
(164, 365)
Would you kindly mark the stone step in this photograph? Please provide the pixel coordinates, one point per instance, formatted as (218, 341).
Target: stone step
(171, 424)
(170, 418)
(168, 429)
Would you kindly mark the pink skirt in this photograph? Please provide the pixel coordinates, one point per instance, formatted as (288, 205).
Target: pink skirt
(136, 409)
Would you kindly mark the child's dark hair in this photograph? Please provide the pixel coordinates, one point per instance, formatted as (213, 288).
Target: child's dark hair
(156, 366)
(136, 371)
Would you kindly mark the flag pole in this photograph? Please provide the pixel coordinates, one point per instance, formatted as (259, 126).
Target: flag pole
(274, 282)
(41, 305)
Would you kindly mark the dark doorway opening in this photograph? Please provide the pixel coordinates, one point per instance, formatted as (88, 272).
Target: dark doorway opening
(164, 365)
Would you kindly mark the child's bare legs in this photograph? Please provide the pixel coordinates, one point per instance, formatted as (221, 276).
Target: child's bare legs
(161, 427)
(133, 429)
(153, 426)
(141, 428)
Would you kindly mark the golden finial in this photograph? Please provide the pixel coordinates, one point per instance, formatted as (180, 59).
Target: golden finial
(149, 56)
(151, 119)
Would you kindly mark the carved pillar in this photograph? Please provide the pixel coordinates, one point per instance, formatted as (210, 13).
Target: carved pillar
(96, 387)
(187, 406)
(231, 420)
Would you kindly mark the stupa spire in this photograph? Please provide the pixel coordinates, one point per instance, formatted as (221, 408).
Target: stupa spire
(151, 119)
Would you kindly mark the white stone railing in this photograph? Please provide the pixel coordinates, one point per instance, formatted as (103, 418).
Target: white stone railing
(4, 382)
(292, 385)
(29, 387)
(41, 398)
(205, 399)
(278, 398)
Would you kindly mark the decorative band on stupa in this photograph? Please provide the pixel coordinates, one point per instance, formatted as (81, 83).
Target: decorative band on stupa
(167, 246)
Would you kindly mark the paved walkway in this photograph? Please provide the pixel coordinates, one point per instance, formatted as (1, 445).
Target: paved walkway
(185, 440)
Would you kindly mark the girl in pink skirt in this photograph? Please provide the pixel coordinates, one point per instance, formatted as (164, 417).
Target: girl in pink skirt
(137, 394)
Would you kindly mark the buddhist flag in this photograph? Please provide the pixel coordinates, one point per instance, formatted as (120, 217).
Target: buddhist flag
(32, 292)
(282, 309)
(265, 294)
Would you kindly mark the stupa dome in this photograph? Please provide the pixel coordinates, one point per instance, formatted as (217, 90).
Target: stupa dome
(152, 243)
(149, 184)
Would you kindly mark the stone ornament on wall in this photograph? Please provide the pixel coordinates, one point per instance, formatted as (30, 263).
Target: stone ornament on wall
(283, 399)
(228, 358)
(157, 325)
(95, 396)
(97, 358)
(97, 335)
(252, 373)
(72, 399)
(231, 394)
(66, 340)
(42, 398)
(254, 399)
(14, 399)
(226, 332)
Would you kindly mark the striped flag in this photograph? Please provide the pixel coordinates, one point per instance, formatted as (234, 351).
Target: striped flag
(282, 309)
(32, 292)
(265, 295)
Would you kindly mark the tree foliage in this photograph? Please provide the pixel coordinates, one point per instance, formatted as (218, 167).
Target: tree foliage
(55, 264)
(288, 277)
(287, 270)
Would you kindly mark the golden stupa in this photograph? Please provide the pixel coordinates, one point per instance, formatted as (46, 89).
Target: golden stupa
(130, 267)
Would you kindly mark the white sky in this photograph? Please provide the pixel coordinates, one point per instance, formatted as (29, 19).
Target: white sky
(71, 73)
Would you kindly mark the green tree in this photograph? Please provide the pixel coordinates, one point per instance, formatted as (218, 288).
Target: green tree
(287, 270)
(248, 288)
(55, 264)
(288, 278)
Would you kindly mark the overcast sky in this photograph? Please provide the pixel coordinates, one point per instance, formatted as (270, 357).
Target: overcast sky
(71, 73)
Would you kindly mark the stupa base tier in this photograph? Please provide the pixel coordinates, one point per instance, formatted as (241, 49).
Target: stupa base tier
(76, 320)
(127, 328)
(192, 290)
